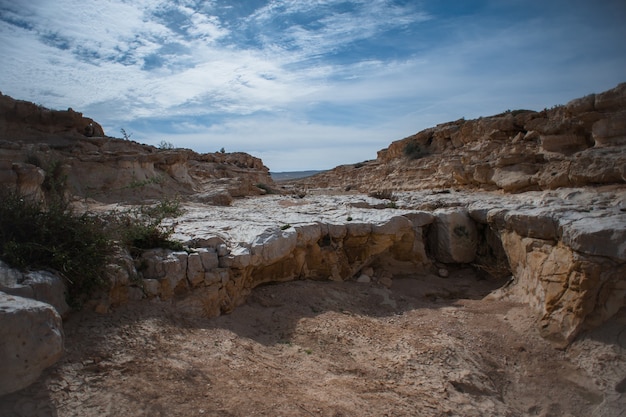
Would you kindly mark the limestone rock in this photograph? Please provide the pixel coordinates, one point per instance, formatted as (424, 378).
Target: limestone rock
(564, 143)
(364, 279)
(214, 197)
(454, 236)
(601, 236)
(515, 151)
(48, 288)
(32, 340)
(611, 130)
(570, 290)
(42, 286)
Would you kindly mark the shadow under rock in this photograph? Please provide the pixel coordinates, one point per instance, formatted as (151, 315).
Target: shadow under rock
(273, 311)
(32, 401)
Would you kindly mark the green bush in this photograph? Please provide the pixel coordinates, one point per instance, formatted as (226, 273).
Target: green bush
(33, 235)
(142, 227)
(50, 235)
(414, 150)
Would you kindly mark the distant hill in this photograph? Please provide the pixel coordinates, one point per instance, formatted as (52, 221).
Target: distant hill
(292, 175)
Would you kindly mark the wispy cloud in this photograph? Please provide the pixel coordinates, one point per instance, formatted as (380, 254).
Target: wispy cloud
(349, 76)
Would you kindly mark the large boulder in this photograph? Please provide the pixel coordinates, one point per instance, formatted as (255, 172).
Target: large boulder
(453, 237)
(32, 340)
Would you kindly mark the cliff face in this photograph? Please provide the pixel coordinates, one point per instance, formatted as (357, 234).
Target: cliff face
(36, 142)
(23, 120)
(579, 144)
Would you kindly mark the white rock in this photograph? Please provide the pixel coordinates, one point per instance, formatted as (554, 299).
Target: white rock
(32, 340)
(222, 250)
(48, 288)
(364, 279)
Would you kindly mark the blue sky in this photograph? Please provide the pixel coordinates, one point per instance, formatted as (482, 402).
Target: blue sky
(304, 84)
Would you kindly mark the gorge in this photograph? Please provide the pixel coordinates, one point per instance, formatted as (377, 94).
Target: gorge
(522, 215)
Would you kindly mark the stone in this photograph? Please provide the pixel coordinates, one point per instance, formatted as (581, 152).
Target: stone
(48, 288)
(151, 287)
(443, 272)
(195, 269)
(32, 340)
(215, 197)
(42, 286)
(273, 244)
(514, 178)
(222, 250)
(364, 279)
(209, 258)
(537, 223)
(611, 130)
(603, 236)
(564, 143)
(454, 236)
(238, 258)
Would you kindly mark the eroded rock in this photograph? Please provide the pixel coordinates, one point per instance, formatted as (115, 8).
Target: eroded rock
(32, 340)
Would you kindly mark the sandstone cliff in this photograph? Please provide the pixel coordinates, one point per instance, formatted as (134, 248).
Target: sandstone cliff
(581, 143)
(36, 142)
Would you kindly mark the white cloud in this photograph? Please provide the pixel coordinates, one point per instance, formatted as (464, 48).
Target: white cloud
(283, 144)
(136, 63)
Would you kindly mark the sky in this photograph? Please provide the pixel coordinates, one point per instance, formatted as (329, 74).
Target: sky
(304, 84)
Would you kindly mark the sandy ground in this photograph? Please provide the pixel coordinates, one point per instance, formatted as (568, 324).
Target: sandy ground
(425, 347)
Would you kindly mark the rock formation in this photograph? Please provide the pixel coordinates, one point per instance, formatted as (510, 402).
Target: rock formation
(26, 121)
(32, 340)
(535, 199)
(579, 144)
(35, 142)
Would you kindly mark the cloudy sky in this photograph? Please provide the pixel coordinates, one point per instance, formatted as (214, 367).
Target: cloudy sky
(304, 84)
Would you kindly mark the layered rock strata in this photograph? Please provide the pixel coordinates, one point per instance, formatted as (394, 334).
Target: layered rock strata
(569, 266)
(37, 143)
(582, 143)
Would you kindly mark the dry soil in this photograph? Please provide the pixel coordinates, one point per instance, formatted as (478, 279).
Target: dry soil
(427, 346)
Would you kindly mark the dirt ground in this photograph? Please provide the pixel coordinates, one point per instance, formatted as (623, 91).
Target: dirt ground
(427, 346)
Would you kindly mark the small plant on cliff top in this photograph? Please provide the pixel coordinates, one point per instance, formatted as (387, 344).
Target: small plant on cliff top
(125, 134)
(165, 145)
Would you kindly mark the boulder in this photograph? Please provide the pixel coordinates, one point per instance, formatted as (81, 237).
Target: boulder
(453, 237)
(611, 130)
(48, 288)
(570, 291)
(563, 143)
(42, 286)
(32, 340)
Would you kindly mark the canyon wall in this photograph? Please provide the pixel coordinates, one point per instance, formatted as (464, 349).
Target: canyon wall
(37, 143)
(582, 143)
(535, 196)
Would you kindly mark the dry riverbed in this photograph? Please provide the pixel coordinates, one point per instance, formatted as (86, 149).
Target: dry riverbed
(427, 346)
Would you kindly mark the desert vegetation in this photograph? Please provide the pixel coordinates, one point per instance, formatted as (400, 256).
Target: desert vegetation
(50, 234)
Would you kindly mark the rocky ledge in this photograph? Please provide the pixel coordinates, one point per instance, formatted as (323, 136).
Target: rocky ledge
(578, 144)
(557, 244)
